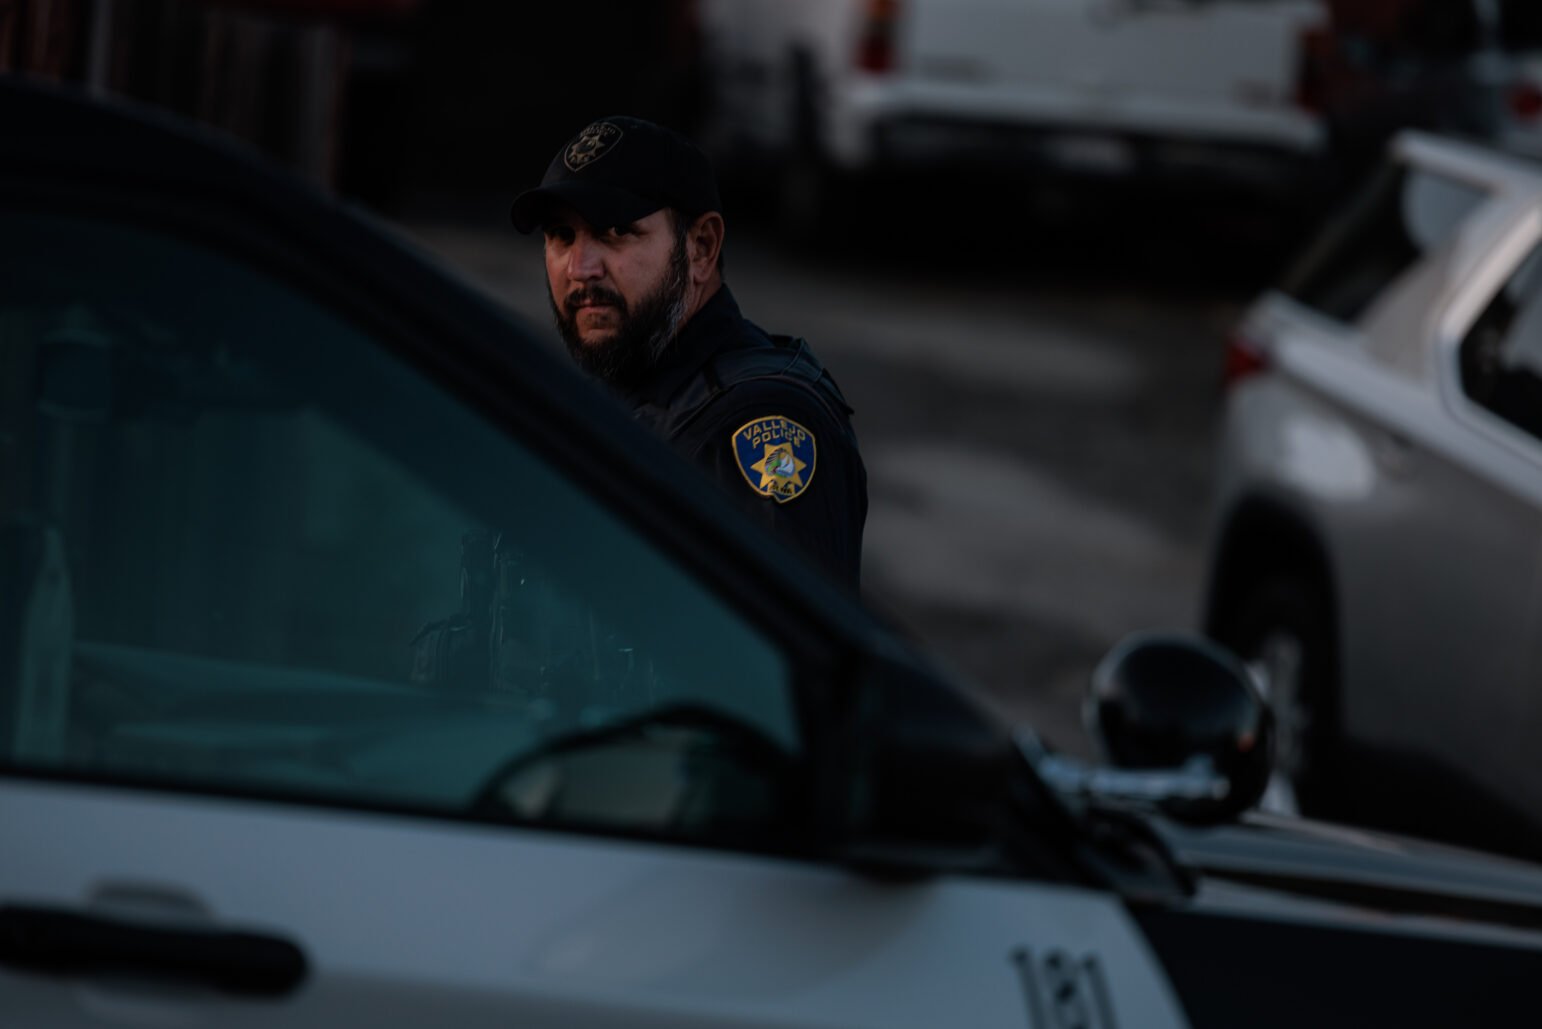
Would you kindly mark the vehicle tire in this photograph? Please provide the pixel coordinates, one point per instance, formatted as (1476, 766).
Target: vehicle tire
(1282, 630)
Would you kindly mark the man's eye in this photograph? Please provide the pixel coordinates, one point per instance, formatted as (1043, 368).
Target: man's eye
(559, 234)
(619, 231)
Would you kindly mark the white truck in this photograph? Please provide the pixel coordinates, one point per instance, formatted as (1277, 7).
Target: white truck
(1187, 89)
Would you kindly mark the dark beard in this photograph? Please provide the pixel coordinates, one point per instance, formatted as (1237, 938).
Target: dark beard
(627, 359)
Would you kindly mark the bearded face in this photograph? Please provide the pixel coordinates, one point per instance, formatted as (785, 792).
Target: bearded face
(621, 340)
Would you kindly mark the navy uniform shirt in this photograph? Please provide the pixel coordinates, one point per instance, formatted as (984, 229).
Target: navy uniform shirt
(764, 420)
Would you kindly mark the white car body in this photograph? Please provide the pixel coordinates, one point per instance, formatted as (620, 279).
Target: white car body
(409, 924)
(1087, 85)
(1357, 462)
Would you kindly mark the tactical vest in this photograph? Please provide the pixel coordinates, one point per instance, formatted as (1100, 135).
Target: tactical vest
(788, 360)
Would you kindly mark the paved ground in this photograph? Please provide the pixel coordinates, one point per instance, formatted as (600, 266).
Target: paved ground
(1038, 432)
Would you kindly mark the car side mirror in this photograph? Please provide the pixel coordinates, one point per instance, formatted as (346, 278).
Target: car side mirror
(1181, 718)
(1180, 725)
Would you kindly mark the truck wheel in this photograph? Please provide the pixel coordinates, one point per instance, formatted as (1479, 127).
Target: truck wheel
(1281, 630)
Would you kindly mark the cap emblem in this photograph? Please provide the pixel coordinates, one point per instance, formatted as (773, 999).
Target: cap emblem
(592, 144)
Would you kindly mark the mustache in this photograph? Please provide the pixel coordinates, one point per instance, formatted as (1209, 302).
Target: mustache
(593, 295)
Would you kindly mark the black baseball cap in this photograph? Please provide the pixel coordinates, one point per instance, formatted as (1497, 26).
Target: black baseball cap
(618, 170)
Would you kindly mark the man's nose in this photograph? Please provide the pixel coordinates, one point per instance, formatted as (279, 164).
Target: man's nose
(584, 260)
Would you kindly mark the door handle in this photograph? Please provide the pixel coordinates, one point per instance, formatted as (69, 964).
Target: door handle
(60, 942)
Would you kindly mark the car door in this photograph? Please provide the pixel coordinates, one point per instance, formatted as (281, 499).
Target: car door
(362, 667)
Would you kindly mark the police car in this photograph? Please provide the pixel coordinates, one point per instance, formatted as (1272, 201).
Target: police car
(250, 444)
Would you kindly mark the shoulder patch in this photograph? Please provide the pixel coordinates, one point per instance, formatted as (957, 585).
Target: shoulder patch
(777, 456)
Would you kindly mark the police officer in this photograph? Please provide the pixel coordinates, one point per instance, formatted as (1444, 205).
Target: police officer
(634, 238)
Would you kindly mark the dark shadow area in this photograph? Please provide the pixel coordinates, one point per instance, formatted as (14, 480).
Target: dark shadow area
(1109, 235)
(493, 90)
(1404, 792)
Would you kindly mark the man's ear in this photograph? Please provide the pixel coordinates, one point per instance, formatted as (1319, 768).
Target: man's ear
(704, 244)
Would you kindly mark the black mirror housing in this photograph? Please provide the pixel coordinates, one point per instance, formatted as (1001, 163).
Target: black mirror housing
(1164, 701)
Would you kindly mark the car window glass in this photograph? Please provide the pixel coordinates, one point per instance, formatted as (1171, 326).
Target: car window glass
(1501, 355)
(1402, 214)
(247, 548)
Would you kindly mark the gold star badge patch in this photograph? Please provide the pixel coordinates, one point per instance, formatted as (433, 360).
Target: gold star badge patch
(777, 456)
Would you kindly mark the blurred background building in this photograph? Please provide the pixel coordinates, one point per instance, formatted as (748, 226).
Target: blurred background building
(397, 102)
(376, 98)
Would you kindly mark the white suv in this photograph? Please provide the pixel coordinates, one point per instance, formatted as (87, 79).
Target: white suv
(1378, 547)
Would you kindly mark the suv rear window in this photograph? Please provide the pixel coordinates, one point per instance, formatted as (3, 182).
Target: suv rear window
(1403, 213)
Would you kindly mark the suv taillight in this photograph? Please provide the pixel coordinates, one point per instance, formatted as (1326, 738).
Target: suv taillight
(1245, 358)
(1316, 67)
(1525, 100)
(880, 24)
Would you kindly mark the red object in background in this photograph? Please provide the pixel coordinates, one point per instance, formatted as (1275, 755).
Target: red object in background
(875, 52)
(1526, 100)
(1244, 359)
(1318, 68)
